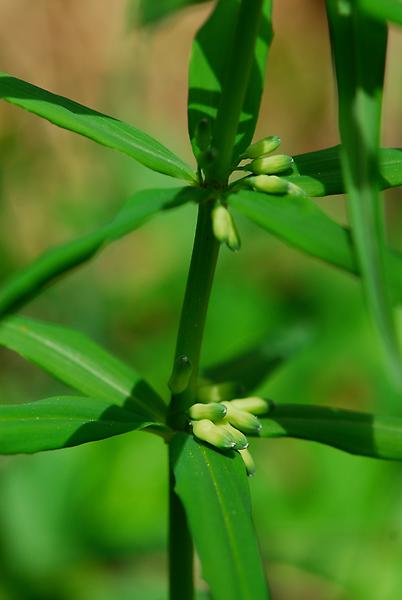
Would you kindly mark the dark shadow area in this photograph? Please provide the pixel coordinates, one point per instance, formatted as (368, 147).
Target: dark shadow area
(250, 368)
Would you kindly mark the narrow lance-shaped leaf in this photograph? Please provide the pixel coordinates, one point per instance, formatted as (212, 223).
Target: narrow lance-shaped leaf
(358, 433)
(214, 491)
(92, 124)
(319, 173)
(76, 360)
(63, 421)
(300, 223)
(354, 37)
(29, 282)
(211, 51)
(384, 10)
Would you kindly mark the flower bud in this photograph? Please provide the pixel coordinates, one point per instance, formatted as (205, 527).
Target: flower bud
(212, 411)
(233, 240)
(242, 420)
(221, 222)
(218, 392)
(269, 165)
(181, 374)
(239, 437)
(270, 184)
(253, 404)
(264, 146)
(203, 133)
(248, 461)
(216, 436)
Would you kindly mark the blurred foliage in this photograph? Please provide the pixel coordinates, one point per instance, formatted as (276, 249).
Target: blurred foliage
(90, 522)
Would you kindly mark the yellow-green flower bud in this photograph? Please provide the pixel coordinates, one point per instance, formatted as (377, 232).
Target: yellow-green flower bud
(248, 461)
(253, 404)
(218, 392)
(216, 436)
(242, 420)
(213, 411)
(264, 146)
(269, 184)
(181, 374)
(203, 133)
(233, 240)
(221, 222)
(269, 165)
(238, 436)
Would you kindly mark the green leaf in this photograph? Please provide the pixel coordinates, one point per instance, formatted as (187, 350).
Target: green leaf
(354, 37)
(319, 173)
(92, 124)
(29, 282)
(80, 363)
(252, 366)
(151, 12)
(300, 223)
(385, 10)
(211, 51)
(63, 421)
(214, 491)
(357, 433)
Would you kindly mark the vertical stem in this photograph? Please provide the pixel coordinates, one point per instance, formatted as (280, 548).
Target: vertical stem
(195, 306)
(235, 87)
(200, 277)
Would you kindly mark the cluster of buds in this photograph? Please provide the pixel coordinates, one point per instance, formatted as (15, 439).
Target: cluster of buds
(224, 424)
(265, 169)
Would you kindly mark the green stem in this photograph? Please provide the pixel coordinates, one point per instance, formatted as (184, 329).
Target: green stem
(194, 311)
(200, 278)
(234, 88)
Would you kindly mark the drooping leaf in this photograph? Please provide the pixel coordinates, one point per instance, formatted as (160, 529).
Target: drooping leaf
(354, 37)
(77, 361)
(150, 12)
(212, 49)
(214, 491)
(385, 10)
(249, 368)
(319, 173)
(300, 223)
(29, 282)
(357, 433)
(63, 421)
(92, 124)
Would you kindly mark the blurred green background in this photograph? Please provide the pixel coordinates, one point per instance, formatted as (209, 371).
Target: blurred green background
(90, 523)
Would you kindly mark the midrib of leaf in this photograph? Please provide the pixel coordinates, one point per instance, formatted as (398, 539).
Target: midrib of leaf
(237, 560)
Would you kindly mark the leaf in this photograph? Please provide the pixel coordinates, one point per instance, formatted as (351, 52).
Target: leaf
(80, 363)
(385, 10)
(300, 223)
(214, 491)
(211, 51)
(94, 125)
(63, 421)
(252, 366)
(29, 282)
(358, 433)
(319, 173)
(354, 37)
(151, 12)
